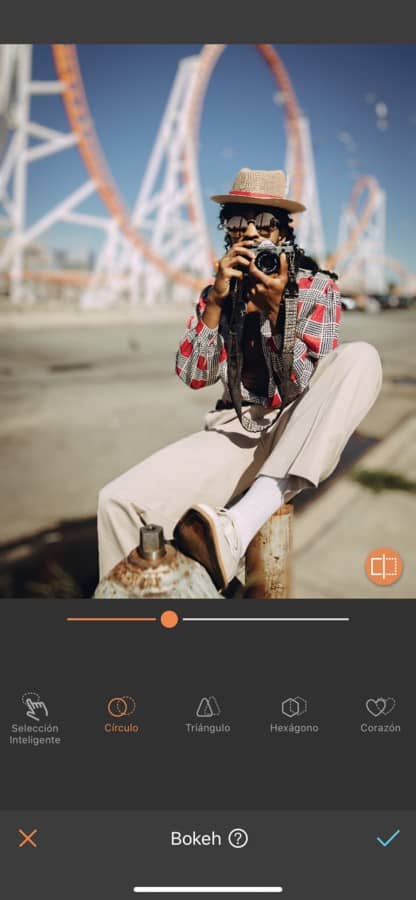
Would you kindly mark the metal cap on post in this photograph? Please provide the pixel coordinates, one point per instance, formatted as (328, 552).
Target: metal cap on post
(152, 542)
(268, 558)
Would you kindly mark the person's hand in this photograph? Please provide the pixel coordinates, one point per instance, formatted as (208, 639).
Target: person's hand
(266, 291)
(238, 258)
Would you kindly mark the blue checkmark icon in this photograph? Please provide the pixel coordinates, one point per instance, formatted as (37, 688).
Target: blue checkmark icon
(389, 840)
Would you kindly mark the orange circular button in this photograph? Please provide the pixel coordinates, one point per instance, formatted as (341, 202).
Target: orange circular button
(169, 619)
(117, 707)
(383, 566)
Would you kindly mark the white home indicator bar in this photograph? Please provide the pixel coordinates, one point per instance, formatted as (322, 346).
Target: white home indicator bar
(208, 890)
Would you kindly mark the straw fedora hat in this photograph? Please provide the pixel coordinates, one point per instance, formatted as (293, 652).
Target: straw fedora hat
(262, 188)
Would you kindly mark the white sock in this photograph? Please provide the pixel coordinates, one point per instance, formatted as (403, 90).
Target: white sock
(265, 497)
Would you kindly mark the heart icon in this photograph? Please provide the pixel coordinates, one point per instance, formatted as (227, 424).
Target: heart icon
(376, 707)
(382, 706)
(390, 704)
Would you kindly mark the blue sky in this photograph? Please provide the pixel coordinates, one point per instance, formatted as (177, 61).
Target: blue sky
(360, 101)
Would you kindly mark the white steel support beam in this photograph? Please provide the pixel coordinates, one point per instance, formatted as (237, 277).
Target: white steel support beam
(8, 162)
(16, 91)
(168, 211)
(105, 280)
(43, 132)
(363, 267)
(46, 87)
(7, 68)
(23, 73)
(309, 230)
(55, 214)
(20, 240)
(84, 219)
(50, 147)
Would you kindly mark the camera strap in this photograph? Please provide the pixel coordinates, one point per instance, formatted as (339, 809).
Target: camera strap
(231, 328)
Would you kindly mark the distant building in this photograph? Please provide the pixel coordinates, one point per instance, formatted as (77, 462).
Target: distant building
(74, 260)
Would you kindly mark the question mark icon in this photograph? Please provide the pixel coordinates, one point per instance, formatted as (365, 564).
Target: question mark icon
(237, 838)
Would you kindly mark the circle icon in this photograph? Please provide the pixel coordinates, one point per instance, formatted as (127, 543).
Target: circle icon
(117, 707)
(383, 566)
(121, 706)
(131, 705)
(169, 619)
(238, 838)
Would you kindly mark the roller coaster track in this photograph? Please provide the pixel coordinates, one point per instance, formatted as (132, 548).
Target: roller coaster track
(81, 122)
(366, 182)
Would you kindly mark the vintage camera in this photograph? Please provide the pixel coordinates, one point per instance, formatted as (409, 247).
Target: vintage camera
(267, 255)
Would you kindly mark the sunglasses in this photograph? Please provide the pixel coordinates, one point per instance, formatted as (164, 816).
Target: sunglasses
(265, 222)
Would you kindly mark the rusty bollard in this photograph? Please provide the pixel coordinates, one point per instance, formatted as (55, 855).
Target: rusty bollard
(156, 570)
(268, 558)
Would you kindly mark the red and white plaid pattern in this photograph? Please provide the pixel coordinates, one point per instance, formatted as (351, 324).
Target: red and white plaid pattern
(201, 359)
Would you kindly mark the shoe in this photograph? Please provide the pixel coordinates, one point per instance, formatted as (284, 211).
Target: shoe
(210, 536)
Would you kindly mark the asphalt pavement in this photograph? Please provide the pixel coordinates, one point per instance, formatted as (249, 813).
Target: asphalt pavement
(84, 399)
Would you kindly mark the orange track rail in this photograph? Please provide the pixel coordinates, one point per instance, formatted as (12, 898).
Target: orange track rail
(208, 59)
(81, 122)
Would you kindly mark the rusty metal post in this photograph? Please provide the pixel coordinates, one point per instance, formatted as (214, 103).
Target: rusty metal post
(268, 558)
(156, 570)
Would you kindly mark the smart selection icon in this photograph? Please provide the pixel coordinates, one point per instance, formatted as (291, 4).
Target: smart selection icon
(36, 708)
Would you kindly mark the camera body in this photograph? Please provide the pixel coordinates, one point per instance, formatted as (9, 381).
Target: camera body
(267, 255)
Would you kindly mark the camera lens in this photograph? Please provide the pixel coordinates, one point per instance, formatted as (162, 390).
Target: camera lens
(268, 262)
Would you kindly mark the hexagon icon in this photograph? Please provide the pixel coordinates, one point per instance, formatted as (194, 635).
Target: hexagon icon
(294, 706)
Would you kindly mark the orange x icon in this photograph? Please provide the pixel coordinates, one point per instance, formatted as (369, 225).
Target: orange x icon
(27, 838)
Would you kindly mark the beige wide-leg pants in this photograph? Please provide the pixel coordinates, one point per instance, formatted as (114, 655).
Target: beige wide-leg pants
(218, 464)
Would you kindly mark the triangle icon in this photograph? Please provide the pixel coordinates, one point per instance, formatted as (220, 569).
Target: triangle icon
(214, 706)
(204, 709)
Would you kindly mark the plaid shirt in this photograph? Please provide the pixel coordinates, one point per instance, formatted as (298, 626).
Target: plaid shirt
(201, 359)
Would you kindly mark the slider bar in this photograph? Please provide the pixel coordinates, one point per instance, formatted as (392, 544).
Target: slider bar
(111, 619)
(265, 619)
